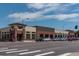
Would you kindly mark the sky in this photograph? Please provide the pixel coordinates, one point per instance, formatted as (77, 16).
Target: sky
(55, 15)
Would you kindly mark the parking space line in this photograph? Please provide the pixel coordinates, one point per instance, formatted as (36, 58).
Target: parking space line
(65, 54)
(29, 52)
(8, 50)
(17, 51)
(45, 53)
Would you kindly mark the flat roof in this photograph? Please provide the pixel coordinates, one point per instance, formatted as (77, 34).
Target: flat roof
(44, 27)
(70, 30)
(17, 24)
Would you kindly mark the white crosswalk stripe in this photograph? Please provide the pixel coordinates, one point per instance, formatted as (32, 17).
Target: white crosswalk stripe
(26, 51)
(16, 51)
(7, 50)
(45, 53)
(29, 52)
(65, 54)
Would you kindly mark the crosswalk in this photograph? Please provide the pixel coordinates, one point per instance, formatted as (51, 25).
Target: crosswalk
(16, 51)
(25, 52)
(30, 52)
(7, 50)
(44, 53)
(65, 54)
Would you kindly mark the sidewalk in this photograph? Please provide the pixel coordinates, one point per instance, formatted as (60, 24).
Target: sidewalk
(74, 54)
(29, 41)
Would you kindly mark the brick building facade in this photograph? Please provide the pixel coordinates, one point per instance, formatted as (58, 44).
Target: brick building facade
(45, 32)
(21, 32)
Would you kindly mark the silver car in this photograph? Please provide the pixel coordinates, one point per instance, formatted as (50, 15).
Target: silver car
(47, 39)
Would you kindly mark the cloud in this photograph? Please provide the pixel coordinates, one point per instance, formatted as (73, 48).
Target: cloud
(59, 9)
(42, 5)
(24, 15)
(33, 15)
(67, 17)
(36, 5)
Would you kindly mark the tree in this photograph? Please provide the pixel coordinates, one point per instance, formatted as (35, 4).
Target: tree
(77, 33)
(76, 26)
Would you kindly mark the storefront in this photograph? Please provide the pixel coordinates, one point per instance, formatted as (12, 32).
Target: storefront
(44, 32)
(18, 32)
(21, 32)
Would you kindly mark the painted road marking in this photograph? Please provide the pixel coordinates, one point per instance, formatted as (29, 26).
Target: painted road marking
(29, 52)
(65, 54)
(45, 53)
(17, 51)
(7, 50)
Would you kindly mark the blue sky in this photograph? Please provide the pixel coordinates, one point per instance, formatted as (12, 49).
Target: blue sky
(57, 15)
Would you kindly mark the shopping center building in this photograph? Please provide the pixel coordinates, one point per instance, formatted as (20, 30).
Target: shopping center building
(21, 32)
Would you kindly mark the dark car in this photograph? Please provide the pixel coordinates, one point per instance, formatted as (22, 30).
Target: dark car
(71, 38)
(40, 39)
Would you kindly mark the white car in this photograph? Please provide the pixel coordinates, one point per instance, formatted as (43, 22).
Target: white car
(47, 39)
(59, 39)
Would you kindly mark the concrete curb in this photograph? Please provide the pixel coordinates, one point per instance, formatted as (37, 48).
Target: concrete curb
(74, 54)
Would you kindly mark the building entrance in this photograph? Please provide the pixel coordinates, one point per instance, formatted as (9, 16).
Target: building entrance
(19, 37)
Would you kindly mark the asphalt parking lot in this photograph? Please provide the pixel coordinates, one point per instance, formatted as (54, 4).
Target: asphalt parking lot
(49, 48)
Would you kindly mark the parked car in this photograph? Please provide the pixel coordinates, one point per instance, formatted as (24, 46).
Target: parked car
(40, 39)
(63, 39)
(55, 39)
(47, 39)
(59, 39)
(77, 38)
(70, 38)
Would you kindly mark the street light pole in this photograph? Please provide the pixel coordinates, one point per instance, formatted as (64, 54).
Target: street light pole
(24, 20)
(63, 31)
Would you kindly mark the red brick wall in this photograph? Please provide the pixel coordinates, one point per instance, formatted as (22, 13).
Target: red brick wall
(70, 33)
(44, 32)
(38, 32)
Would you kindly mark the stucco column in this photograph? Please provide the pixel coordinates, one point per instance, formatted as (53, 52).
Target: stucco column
(13, 34)
(24, 34)
(43, 35)
(14, 38)
(0, 35)
(30, 35)
(53, 36)
(37, 36)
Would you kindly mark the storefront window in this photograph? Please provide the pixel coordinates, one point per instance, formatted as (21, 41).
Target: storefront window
(27, 36)
(51, 36)
(46, 35)
(5, 35)
(41, 35)
(33, 36)
(55, 36)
